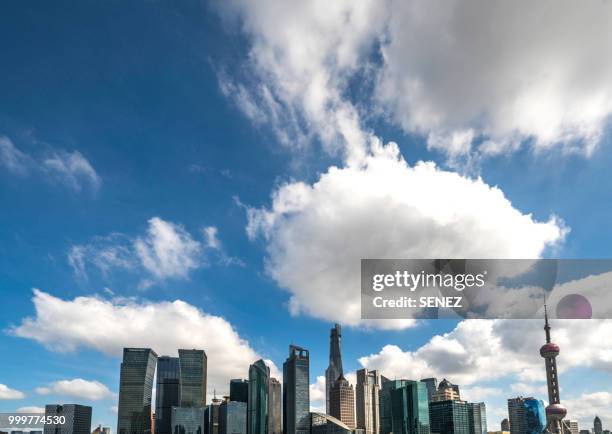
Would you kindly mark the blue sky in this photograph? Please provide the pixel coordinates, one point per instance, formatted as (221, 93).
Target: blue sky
(124, 124)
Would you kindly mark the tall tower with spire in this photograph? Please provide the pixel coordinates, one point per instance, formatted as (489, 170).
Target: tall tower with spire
(555, 412)
(334, 370)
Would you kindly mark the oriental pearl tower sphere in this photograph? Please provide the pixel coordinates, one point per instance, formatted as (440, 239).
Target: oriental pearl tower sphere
(555, 412)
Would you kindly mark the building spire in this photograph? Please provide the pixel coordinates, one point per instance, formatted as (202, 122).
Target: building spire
(546, 325)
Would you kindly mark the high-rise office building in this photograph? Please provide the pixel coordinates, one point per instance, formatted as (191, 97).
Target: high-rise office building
(135, 391)
(167, 393)
(239, 390)
(527, 415)
(477, 412)
(432, 385)
(77, 419)
(233, 417)
(410, 409)
(296, 394)
(275, 404)
(367, 401)
(387, 386)
(573, 424)
(187, 420)
(505, 425)
(342, 402)
(449, 417)
(334, 369)
(446, 391)
(597, 428)
(193, 377)
(212, 416)
(259, 385)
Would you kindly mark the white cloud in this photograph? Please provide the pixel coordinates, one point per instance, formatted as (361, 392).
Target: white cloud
(30, 409)
(168, 250)
(479, 393)
(72, 169)
(77, 388)
(318, 233)
(585, 407)
(317, 394)
(66, 325)
(8, 393)
(505, 73)
(12, 158)
(210, 237)
(478, 351)
(462, 74)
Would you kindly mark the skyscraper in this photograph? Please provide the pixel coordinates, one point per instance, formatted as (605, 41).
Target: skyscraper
(78, 419)
(167, 393)
(233, 417)
(555, 412)
(432, 384)
(193, 378)
(387, 387)
(573, 424)
(275, 400)
(187, 420)
(296, 395)
(477, 412)
(446, 391)
(342, 402)
(212, 416)
(449, 417)
(334, 370)
(597, 428)
(367, 401)
(527, 415)
(259, 378)
(505, 425)
(239, 390)
(135, 391)
(410, 409)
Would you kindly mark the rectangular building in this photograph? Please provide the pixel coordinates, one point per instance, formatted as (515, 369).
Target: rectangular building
(187, 420)
(449, 417)
(296, 393)
(410, 409)
(193, 377)
(167, 393)
(233, 417)
(77, 419)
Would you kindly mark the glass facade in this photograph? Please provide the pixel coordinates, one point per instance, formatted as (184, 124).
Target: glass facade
(259, 377)
(193, 378)
(239, 390)
(78, 419)
(135, 391)
(477, 413)
(535, 416)
(449, 417)
(410, 409)
(387, 386)
(334, 369)
(233, 418)
(167, 393)
(432, 385)
(296, 394)
(187, 420)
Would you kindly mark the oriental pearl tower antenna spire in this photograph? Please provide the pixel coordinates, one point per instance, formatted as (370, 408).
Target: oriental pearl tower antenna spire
(555, 412)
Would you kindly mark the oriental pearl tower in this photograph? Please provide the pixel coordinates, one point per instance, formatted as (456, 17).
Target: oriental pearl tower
(555, 412)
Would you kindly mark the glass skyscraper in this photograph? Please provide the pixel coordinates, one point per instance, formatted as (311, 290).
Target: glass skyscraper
(477, 413)
(387, 386)
(449, 417)
(78, 419)
(296, 395)
(193, 378)
(188, 420)
(239, 390)
(432, 385)
(259, 384)
(334, 369)
(410, 409)
(167, 393)
(233, 417)
(367, 401)
(135, 391)
(527, 415)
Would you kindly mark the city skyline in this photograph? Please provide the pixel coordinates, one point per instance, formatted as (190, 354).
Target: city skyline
(209, 174)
